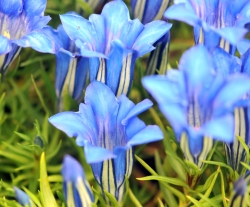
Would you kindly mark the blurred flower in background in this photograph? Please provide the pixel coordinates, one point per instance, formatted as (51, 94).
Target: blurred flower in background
(198, 102)
(108, 127)
(77, 191)
(22, 197)
(238, 196)
(21, 23)
(113, 42)
(72, 70)
(216, 22)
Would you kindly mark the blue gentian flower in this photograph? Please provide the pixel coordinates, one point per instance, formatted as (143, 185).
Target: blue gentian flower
(77, 191)
(235, 151)
(238, 197)
(108, 127)
(71, 69)
(148, 10)
(22, 197)
(216, 22)
(113, 42)
(21, 23)
(198, 102)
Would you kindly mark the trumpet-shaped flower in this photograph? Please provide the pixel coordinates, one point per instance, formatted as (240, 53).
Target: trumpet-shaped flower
(198, 102)
(235, 151)
(113, 42)
(239, 195)
(71, 69)
(149, 10)
(77, 191)
(108, 127)
(22, 197)
(21, 23)
(215, 22)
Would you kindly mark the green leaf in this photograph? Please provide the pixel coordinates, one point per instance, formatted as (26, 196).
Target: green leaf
(144, 164)
(47, 196)
(111, 198)
(134, 199)
(174, 181)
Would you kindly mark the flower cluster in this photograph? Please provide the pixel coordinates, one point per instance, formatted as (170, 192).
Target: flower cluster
(206, 99)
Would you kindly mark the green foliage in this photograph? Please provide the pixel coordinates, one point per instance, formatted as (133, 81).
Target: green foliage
(160, 177)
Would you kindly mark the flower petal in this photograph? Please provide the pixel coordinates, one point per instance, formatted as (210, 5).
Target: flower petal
(198, 70)
(182, 13)
(34, 8)
(150, 133)
(38, 41)
(116, 14)
(97, 93)
(5, 45)
(151, 33)
(11, 7)
(236, 84)
(137, 109)
(221, 128)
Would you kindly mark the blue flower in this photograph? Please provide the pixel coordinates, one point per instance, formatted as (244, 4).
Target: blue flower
(215, 22)
(21, 23)
(108, 127)
(113, 42)
(71, 69)
(235, 151)
(22, 197)
(148, 10)
(77, 191)
(198, 102)
(239, 194)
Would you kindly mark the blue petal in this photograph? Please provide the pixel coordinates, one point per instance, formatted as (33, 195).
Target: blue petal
(150, 133)
(225, 63)
(82, 70)
(243, 46)
(76, 124)
(116, 14)
(137, 109)
(130, 31)
(151, 33)
(238, 85)
(182, 13)
(246, 62)
(95, 154)
(38, 22)
(62, 67)
(5, 45)
(85, 52)
(157, 85)
(79, 28)
(134, 126)
(98, 24)
(220, 128)
(231, 34)
(102, 100)
(114, 65)
(22, 197)
(11, 7)
(125, 105)
(38, 41)
(34, 8)
(197, 66)
(176, 115)
(71, 169)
